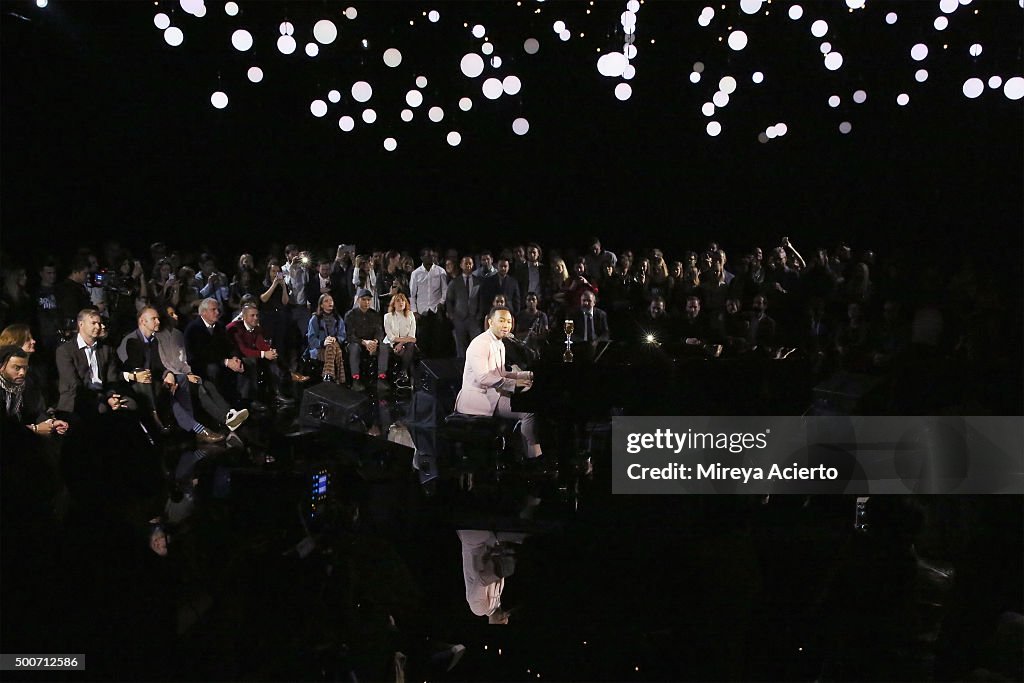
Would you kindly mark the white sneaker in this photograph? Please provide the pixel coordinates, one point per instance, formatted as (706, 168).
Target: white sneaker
(235, 418)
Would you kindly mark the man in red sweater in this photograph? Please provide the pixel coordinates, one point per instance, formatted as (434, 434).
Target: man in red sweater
(257, 355)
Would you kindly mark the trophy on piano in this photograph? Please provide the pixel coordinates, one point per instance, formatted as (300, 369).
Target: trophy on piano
(569, 326)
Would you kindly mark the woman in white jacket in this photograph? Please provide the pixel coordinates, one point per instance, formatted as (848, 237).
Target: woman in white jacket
(400, 334)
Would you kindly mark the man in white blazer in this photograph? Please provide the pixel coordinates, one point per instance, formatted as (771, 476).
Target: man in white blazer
(487, 386)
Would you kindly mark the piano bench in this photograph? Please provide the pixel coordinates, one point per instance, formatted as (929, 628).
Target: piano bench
(481, 431)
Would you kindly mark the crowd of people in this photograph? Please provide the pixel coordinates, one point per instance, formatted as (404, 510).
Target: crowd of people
(193, 343)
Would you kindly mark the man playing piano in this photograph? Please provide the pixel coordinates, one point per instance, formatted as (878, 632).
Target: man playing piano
(487, 386)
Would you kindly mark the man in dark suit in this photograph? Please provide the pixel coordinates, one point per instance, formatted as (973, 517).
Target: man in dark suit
(591, 327)
(462, 304)
(502, 283)
(322, 282)
(89, 380)
(529, 274)
(210, 352)
(154, 383)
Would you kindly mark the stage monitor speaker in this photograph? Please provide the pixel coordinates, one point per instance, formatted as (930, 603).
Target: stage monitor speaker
(330, 404)
(438, 381)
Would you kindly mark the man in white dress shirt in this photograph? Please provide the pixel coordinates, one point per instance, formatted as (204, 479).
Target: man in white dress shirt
(428, 285)
(487, 386)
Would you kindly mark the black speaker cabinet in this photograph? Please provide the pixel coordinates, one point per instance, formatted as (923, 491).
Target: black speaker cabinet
(438, 382)
(335, 405)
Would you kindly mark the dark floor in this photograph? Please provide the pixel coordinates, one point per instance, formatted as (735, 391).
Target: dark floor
(605, 587)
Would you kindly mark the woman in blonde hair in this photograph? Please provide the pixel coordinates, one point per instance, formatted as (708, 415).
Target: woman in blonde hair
(400, 333)
(326, 339)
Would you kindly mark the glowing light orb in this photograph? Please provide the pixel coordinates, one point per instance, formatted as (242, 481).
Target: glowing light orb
(995, 81)
(845, 127)
(902, 99)
(511, 85)
(781, 129)
(390, 144)
(286, 28)
(940, 23)
(492, 88)
(407, 115)
(919, 52)
(392, 57)
(435, 114)
(795, 12)
(318, 108)
(219, 100)
(855, 4)
(714, 128)
(361, 91)
(434, 16)
(565, 35)
(465, 104)
(694, 77)
(629, 72)
(948, 6)
(174, 36)
(819, 28)
(162, 21)
(750, 6)
(531, 46)
(312, 49)
(472, 65)
(720, 99)
(890, 18)
(633, 6)
(41, 4)
(487, 48)
(334, 96)
(708, 109)
(369, 115)
(520, 126)
(255, 74)
(921, 75)
(975, 50)
(833, 60)
(727, 85)
(346, 123)
(623, 91)
(325, 31)
(834, 101)
(454, 138)
(496, 61)
(762, 138)
(860, 97)
(558, 26)
(231, 9)
(612, 64)
(627, 18)
(1014, 88)
(191, 6)
(414, 98)
(698, 67)
(421, 81)
(757, 77)
(825, 47)
(770, 132)
(241, 40)
(351, 13)
(629, 51)
(737, 40)
(286, 45)
(479, 31)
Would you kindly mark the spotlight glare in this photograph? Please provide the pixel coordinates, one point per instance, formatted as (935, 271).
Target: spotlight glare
(286, 45)
(346, 123)
(623, 91)
(286, 28)
(369, 115)
(921, 75)
(948, 6)
(454, 138)
(995, 81)
(612, 64)
(973, 87)
(407, 115)
(414, 98)
(737, 40)
(834, 101)
(819, 28)
(312, 49)
(255, 74)
(325, 31)
(219, 100)
(940, 23)
(492, 88)
(390, 144)
(720, 99)
(727, 85)
(758, 77)
(465, 104)
(162, 21)
(435, 114)
(241, 40)
(890, 18)
(351, 13)
(795, 12)
(487, 48)
(919, 52)
(902, 99)
(975, 50)
(694, 77)
(472, 65)
(1014, 88)
(318, 108)
(629, 72)
(708, 109)
(334, 96)
(434, 16)
(750, 6)
(833, 60)
(479, 31)
(511, 85)
(714, 128)
(231, 9)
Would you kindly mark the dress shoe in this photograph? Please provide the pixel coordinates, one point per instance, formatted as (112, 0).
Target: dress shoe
(161, 428)
(328, 378)
(235, 418)
(206, 436)
(299, 378)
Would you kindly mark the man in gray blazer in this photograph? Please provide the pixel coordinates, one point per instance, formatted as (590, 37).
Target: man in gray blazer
(462, 303)
(89, 380)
